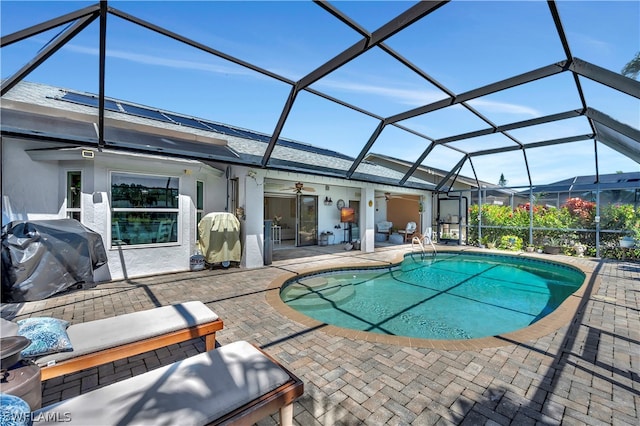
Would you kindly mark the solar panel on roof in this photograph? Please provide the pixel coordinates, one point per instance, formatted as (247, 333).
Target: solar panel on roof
(229, 130)
(220, 128)
(191, 122)
(144, 112)
(186, 121)
(89, 100)
(313, 149)
(252, 135)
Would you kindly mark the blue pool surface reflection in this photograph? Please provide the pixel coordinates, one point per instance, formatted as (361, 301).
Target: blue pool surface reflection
(449, 296)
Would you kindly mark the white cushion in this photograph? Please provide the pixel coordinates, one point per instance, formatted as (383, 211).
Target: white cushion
(384, 226)
(8, 328)
(94, 336)
(194, 391)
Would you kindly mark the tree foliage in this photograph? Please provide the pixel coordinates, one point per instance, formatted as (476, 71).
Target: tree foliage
(632, 69)
(502, 223)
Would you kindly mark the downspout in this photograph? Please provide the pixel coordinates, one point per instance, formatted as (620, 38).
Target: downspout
(530, 215)
(597, 219)
(466, 219)
(480, 217)
(227, 176)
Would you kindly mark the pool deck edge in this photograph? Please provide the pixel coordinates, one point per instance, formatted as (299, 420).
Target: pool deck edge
(552, 322)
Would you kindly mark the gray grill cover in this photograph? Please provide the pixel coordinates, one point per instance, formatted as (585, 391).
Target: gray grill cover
(44, 257)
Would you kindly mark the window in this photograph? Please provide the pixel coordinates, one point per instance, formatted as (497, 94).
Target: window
(199, 202)
(234, 195)
(74, 192)
(144, 209)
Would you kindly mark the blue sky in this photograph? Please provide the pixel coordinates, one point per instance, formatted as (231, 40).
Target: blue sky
(463, 45)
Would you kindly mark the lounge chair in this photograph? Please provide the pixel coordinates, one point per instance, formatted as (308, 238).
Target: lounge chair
(110, 339)
(234, 384)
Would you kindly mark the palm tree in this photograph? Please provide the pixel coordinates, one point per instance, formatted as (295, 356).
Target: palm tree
(632, 69)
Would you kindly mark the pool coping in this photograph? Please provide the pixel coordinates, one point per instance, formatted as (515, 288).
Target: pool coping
(559, 318)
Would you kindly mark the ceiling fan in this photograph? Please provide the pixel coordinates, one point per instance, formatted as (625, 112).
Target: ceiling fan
(388, 196)
(299, 187)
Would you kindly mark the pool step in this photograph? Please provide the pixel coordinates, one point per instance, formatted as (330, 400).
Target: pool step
(296, 291)
(310, 286)
(329, 297)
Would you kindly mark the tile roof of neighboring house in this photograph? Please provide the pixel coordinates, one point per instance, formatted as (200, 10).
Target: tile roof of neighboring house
(609, 181)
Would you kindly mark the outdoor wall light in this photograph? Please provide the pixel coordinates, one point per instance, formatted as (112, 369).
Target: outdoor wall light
(240, 213)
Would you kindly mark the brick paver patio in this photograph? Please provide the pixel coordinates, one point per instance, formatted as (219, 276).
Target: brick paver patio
(585, 372)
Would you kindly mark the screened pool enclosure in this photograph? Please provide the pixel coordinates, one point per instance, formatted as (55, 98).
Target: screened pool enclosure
(522, 95)
(577, 217)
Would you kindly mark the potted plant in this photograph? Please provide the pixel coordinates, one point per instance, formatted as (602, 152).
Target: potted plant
(627, 241)
(530, 248)
(553, 245)
(488, 243)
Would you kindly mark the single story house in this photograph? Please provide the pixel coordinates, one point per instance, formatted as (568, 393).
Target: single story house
(145, 196)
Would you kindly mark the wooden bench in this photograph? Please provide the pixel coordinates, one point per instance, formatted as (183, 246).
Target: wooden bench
(234, 384)
(110, 339)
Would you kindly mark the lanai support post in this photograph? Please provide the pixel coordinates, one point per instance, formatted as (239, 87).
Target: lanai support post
(530, 215)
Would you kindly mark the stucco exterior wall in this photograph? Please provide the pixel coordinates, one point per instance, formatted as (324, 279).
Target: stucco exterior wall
(34, 187)
(252, 226)
(33, 190)
(29, 189)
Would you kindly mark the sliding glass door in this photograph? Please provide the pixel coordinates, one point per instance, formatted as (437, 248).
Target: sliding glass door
(307, 220)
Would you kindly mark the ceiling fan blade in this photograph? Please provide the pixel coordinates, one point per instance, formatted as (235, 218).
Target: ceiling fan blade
(401, 197)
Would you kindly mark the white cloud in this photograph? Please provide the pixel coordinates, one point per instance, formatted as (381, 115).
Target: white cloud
(504, 107)
(589, 43)
(161, 61)
(413, 97)
(419, 97)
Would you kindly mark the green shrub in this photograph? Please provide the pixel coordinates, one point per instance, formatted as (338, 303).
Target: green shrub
(510, 242)
(508, 228)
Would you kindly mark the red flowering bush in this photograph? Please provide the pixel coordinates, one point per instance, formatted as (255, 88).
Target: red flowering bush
(582, 211)
(502, 225)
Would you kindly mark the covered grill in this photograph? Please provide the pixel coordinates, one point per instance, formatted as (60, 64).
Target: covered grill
(44, 257)
(219, 238)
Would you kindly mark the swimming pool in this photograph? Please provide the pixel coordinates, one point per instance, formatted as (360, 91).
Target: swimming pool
(449, 296)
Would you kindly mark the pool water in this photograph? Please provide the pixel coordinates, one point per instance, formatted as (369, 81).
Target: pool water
(449, 296)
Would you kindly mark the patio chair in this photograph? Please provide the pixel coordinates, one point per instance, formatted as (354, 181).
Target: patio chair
(165, 230)
(383, 230)
(408, 231)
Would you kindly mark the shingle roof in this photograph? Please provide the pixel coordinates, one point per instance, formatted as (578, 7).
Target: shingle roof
(247, 149)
